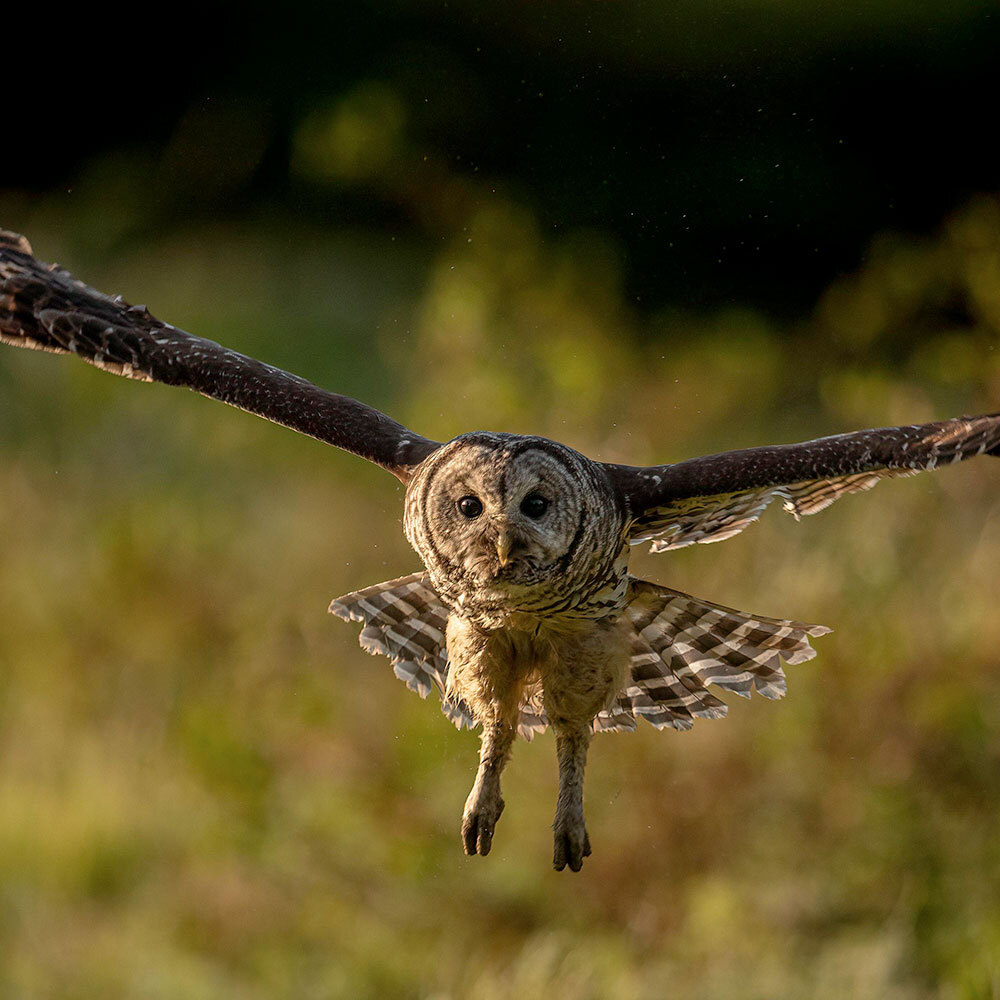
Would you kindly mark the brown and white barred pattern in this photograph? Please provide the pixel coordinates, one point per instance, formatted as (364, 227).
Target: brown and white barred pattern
(679, 644)
(713, 498)
(714, 519)
(405, 620)
(589, 578)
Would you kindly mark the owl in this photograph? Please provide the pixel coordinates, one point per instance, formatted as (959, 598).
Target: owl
(525, 615)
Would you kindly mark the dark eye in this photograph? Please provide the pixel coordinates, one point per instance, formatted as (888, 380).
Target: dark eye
(470, 507)
(534, 505)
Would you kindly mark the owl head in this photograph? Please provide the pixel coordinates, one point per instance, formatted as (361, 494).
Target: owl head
(510, 519)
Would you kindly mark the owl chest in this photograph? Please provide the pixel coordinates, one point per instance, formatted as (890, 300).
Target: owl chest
(557, 601)
(572, 667)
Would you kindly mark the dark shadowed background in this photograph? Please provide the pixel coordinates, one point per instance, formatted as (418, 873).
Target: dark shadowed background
(647, 230)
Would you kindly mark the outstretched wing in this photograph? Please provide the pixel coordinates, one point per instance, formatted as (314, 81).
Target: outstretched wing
(46, 308)
(712, 498)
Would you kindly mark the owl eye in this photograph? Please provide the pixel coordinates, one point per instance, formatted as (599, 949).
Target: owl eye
(470, 507)
(534, 505)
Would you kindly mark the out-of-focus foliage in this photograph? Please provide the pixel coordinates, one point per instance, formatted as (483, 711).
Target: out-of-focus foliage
(208, 790)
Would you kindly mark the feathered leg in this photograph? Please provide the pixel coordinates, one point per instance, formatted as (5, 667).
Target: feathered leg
(485, 803)
(571, 843)
(487, 674)
(588, 668)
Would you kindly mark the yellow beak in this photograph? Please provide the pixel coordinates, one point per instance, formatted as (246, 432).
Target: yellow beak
(503, 548)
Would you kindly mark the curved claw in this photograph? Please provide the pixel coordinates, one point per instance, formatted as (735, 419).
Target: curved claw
(571, 846)
(479, 823)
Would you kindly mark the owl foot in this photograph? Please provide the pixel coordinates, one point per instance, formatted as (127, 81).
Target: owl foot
(482, 810)
(572, 844)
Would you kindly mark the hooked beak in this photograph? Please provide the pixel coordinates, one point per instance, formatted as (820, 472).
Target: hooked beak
(503, 548)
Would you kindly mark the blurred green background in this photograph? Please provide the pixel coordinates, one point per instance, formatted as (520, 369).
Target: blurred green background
(647, 231)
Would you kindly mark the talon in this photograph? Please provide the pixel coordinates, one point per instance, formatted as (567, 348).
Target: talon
(469, 834)
(570, 848)
(479, 824)
(485, 841)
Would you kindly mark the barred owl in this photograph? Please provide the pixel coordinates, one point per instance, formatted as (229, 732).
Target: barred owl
(525, 614)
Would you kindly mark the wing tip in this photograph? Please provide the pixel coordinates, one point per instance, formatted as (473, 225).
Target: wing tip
(10, 240)
(341, 610)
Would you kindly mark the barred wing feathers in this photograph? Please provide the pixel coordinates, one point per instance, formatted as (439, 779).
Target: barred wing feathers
(715, 497)
(405, 620)
(45, 308)
(681, 644)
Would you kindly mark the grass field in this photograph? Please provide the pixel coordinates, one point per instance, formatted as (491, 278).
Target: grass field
(208, 790)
